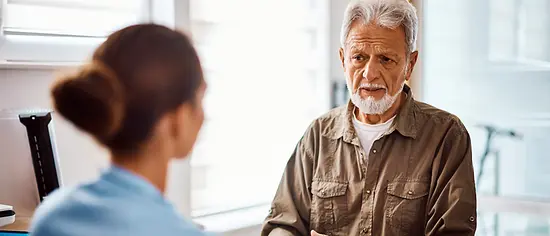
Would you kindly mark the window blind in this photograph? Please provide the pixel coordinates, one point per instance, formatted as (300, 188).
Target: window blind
(96, 18)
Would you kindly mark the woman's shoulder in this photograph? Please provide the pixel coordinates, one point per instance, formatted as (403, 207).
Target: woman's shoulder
(93, 209)
(48, 213)
(71, 206)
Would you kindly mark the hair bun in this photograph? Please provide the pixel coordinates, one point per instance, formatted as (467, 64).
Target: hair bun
(92, 100)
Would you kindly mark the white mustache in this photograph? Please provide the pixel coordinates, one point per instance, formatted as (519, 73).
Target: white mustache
(369, 85)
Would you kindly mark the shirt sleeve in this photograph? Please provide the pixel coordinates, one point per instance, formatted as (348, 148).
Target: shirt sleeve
(452, 201)
(289, 213)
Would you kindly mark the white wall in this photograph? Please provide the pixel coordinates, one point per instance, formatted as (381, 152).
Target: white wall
(80, 158)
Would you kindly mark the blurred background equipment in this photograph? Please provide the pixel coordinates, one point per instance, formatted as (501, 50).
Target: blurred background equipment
(7, 215)
(29, 168)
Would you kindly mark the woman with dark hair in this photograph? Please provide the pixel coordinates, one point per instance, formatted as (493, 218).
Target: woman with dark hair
(140, 97)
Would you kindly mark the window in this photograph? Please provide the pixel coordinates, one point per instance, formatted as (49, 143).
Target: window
(267, 81)
(62, 30)
(519, 31)
(488, 63)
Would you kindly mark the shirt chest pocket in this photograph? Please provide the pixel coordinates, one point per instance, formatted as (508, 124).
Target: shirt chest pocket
(329, 205)
(406, 206)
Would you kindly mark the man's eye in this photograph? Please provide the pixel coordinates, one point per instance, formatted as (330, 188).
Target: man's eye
(385, 59)
(357, 57)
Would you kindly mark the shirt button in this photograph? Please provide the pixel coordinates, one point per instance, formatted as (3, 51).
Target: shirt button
(472, 219)
(410, 192)
(373, 150)
(368, 191)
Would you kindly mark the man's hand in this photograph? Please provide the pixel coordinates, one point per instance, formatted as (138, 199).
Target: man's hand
(313, 233)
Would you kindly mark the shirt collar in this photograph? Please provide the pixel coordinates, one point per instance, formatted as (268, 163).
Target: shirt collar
(405, 121)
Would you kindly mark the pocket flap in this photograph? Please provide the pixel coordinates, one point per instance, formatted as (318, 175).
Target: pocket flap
(325, 189)
(408, 189)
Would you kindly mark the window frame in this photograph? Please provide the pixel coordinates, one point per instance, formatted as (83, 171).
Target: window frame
(175, 14)
(60, 51)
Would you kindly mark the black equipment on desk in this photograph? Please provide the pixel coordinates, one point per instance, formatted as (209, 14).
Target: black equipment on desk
(42, 151)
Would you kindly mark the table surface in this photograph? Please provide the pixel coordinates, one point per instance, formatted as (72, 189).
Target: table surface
(21, 224)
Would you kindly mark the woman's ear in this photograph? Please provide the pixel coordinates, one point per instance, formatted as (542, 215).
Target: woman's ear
(178, 120)
(182, 122)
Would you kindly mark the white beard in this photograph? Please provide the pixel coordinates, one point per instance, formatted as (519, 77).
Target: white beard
(370, 105)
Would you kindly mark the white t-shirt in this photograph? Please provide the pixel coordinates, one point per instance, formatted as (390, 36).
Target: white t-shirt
(369, 133)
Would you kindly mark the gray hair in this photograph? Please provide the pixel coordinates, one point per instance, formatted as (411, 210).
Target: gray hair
(385, 13)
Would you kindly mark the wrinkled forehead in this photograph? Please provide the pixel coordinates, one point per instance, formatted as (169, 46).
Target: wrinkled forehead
(376, 38)
(372, 48)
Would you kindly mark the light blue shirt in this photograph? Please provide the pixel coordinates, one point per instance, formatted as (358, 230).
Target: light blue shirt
(119, 203)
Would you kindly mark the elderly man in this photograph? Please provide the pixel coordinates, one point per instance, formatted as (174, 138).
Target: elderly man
(385, 164)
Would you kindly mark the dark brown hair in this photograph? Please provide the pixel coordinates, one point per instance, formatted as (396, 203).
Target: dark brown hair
(137, 75)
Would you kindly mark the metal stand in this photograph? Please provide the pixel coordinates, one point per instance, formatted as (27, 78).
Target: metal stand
(493, 132)
(40, 143)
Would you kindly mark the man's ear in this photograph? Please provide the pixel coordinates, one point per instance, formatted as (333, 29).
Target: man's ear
(342, 59)
(412, 63)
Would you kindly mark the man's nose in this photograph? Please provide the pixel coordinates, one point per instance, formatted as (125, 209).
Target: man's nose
(371, 70)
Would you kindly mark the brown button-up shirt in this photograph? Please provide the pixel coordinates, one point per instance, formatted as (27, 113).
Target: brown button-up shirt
(417, 180)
